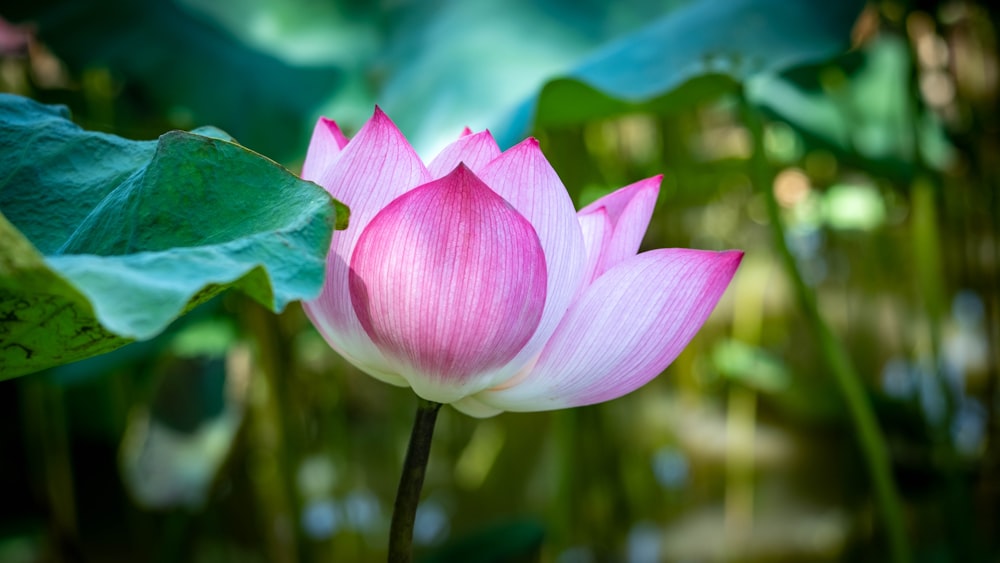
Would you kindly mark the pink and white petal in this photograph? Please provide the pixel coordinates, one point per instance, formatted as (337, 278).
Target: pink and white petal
(597, 230)
(324, 148)
(629, 209)
(376, 167)
(449, 282)
(624, 330)
(476, 150)
(617, 201)
(523, 176)
(357, 348)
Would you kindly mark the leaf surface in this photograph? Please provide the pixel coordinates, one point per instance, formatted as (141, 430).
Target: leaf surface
(107, 240)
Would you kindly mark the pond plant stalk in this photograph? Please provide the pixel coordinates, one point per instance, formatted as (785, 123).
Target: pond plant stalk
(404, 511)
(871, 440)
(505, 311)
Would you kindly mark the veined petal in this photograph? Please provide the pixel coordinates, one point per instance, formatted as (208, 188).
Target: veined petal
(324, 149)
(623, 331)
(523, 176)
(597, 230)
(629, 209)
(475, 150)
(376, 167)
(360, 351)
(449, 281)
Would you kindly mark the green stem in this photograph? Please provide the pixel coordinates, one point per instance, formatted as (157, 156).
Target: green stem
(404, 512)
(866, 425)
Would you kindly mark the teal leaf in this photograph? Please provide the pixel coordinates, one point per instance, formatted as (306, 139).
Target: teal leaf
(513, 64)
(107, 240)
(696, 52)
(739, 38)
(435, 67)
(192, 69)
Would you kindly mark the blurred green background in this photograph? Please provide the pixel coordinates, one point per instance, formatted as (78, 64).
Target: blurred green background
(861, 138)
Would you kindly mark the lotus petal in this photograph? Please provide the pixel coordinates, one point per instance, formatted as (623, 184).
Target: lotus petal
(624, 330)
(449, 281)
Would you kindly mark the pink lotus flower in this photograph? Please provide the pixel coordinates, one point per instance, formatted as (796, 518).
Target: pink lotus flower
(474, 281)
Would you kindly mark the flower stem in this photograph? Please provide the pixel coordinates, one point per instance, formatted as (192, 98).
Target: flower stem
(411, 481)
(872, 441)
